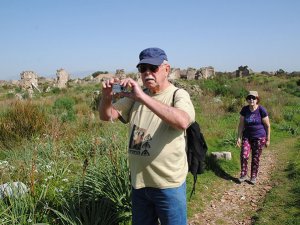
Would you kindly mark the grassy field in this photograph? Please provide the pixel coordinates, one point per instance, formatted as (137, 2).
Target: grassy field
(282, 204)
(75, 166)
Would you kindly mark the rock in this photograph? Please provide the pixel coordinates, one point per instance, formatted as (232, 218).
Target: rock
(13, 189)
(222, 155)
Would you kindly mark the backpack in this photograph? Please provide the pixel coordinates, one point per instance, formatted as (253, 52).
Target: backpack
(196, 149)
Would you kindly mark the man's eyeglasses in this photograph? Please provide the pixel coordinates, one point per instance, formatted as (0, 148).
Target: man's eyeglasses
(251, 97)
(144, 67)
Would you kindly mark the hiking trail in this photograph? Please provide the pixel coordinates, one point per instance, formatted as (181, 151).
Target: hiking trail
(237, 203)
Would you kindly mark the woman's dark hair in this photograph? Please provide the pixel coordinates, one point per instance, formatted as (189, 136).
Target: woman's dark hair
(257, 100)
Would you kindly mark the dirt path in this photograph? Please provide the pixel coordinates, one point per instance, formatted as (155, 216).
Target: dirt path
(237, 203)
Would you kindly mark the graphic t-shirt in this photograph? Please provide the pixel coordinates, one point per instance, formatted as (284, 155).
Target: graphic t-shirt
(253, 125)
(157, 156)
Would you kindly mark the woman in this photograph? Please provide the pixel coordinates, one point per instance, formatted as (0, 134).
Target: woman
(253, 134)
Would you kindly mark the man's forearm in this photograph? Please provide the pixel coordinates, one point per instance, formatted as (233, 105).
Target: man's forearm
(106, 110)
(174, 117)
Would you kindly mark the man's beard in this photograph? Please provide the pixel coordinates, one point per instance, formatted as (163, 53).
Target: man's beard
(155, 89)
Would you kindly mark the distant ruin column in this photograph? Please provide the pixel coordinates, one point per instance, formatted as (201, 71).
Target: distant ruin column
(120, 73)
(174, 74)
(205, 72)
(190, 74)
(29, 81)
(62, 78)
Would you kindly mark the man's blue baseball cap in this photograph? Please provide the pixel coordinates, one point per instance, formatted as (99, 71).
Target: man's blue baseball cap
(153, 56)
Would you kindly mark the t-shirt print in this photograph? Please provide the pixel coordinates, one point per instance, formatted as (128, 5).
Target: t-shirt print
(139, 143)
(252, 119)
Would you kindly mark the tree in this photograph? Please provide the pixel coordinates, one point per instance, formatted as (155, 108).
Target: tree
(95, 74)
(280, 72)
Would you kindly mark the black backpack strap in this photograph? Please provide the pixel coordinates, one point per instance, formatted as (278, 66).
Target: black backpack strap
(194, 186)
(173, 103)
(195, 174)
(173, 100)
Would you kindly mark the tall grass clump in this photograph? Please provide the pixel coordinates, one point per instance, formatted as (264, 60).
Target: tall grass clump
(223, 86)
(103, 196)
(64, 109)
(22, 120)
(26, 209)
(291, 87)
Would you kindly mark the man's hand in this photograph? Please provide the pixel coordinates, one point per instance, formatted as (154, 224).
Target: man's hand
(106, 111)
(107, 86)
(136, 91)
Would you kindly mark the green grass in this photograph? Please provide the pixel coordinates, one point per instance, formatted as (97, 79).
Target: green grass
(69, 154)
(282, 203)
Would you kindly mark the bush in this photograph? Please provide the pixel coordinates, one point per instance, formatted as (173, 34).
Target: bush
(104, 197)
(222, 86)
(64, 109)
(23, 120)
(56, 90)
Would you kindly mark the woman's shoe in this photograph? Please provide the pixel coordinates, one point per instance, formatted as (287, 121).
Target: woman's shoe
(253, 180)
(242, 179)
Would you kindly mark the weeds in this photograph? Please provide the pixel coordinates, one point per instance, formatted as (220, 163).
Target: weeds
(76, 166)
(229, 139)
(64, 109)
(23, 120)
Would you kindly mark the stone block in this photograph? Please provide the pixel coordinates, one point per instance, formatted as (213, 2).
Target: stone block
(222, 155)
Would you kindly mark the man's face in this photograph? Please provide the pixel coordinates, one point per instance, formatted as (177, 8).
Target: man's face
(154, 77)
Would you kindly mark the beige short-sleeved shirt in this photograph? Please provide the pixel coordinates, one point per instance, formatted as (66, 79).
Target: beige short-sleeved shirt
(157, 156)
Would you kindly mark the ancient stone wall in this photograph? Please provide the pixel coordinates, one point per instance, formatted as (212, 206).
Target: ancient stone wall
(174, 74)
(29, 80)
(205, 72)
(104, 76)
(120, 73)
(190, 73)
(62, 78)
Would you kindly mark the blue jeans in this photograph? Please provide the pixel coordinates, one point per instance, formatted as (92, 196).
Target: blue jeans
(168, 205)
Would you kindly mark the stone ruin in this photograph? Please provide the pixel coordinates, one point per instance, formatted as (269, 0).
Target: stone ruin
(102, 76)
(205, 72)
(62, 78)
(174, 74)
(29, 82)
(120, 73)
(194, 74)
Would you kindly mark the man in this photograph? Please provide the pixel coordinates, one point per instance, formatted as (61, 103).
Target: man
(157, 156)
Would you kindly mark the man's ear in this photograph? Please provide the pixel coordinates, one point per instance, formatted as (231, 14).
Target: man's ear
(168, 68)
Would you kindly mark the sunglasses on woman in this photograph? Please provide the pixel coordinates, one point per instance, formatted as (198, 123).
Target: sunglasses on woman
(251, 97)
(144, 67)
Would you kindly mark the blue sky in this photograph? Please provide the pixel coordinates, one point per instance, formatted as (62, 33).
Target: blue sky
(86, 36)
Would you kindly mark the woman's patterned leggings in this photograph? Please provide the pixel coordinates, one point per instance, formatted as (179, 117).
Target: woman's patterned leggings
(256, 146)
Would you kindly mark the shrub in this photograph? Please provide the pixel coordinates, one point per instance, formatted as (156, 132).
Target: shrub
(233, 105)
(288, 127)
(64, 109)
(56, 90)
(229, 139)
(23, 120)
(103, 197)
(291, 87)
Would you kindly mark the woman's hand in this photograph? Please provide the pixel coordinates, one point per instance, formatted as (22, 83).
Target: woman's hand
(239, 142)
(267, 143)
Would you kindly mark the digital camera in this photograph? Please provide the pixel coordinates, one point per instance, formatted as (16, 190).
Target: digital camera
(117, 88)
